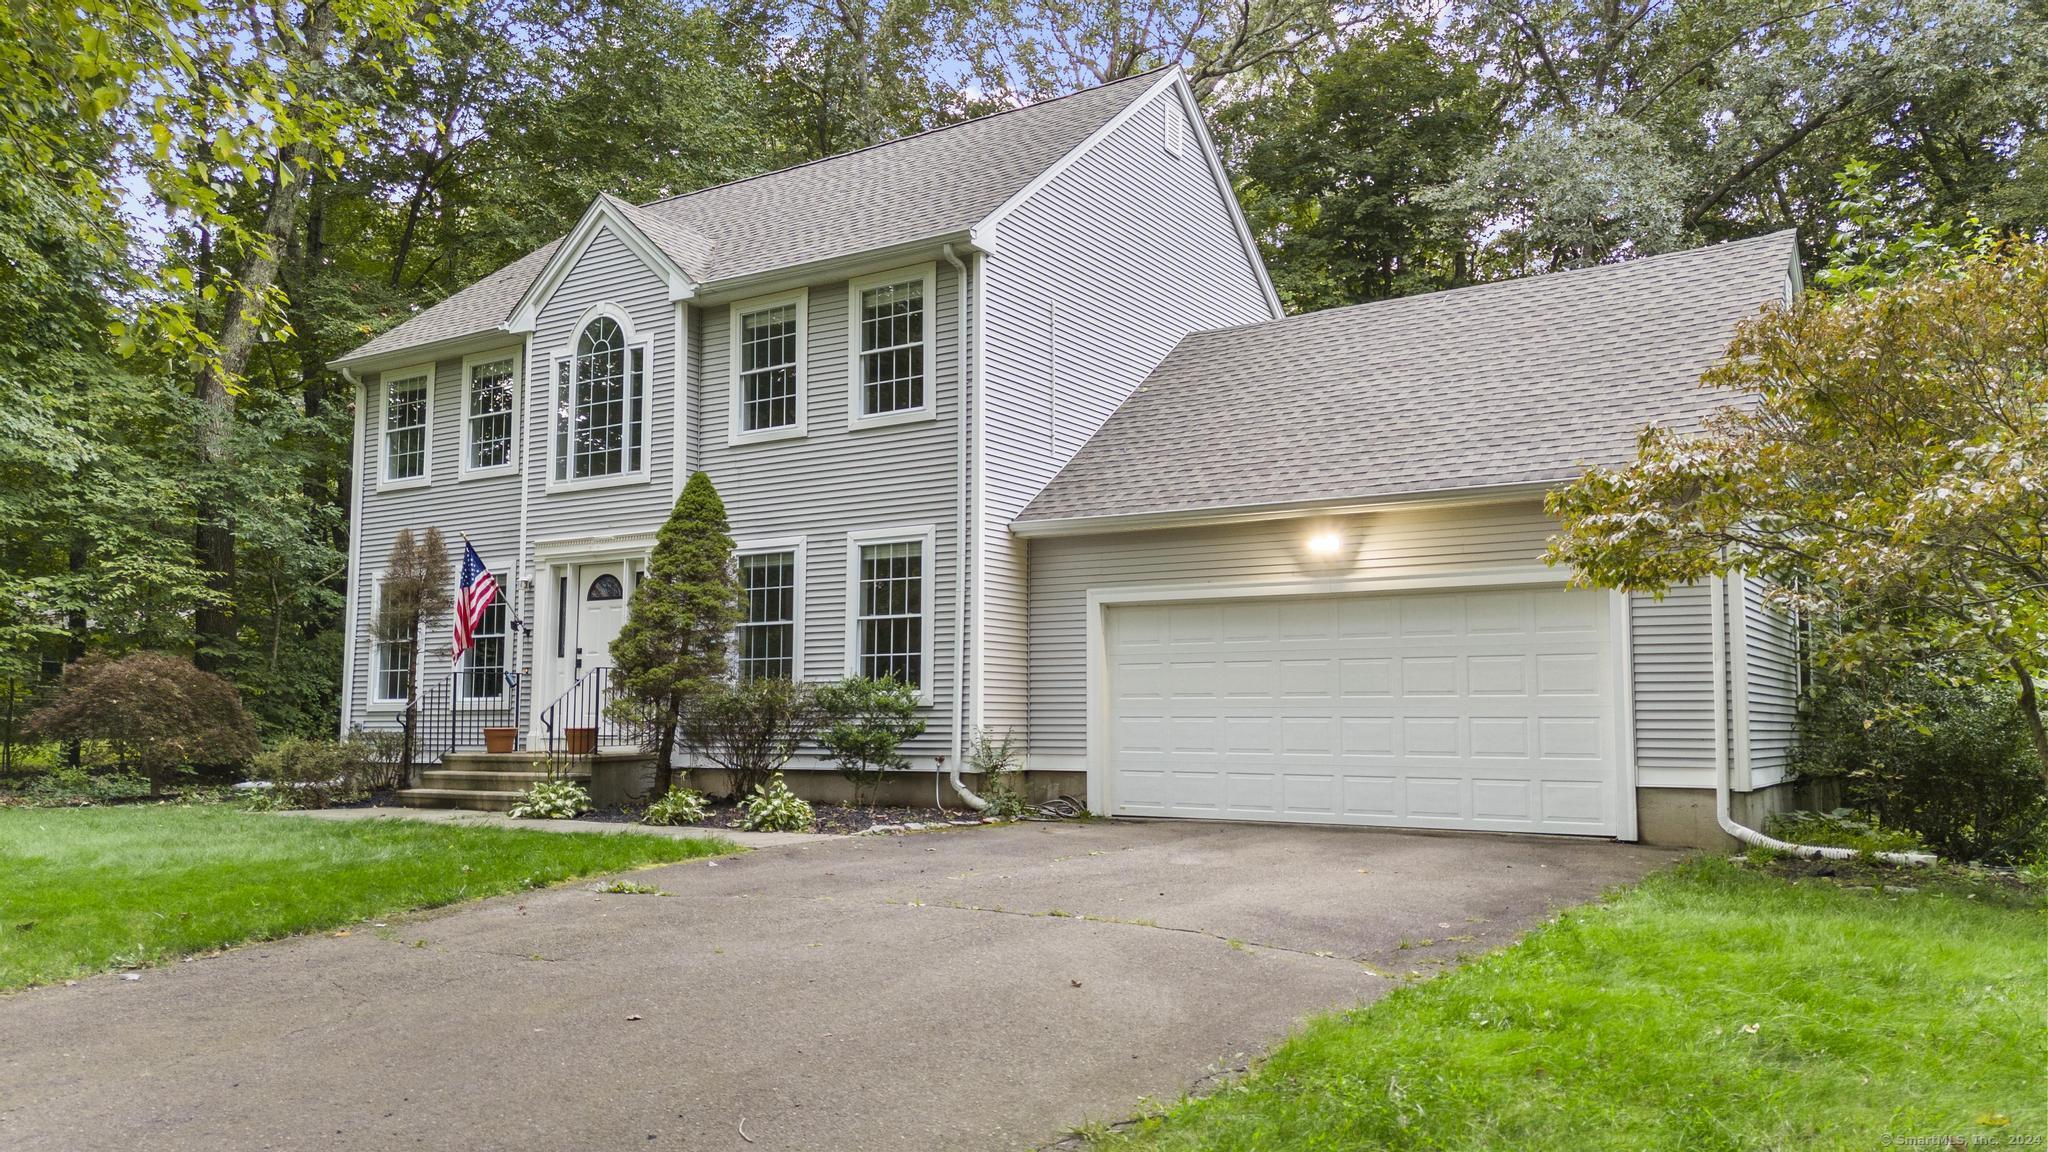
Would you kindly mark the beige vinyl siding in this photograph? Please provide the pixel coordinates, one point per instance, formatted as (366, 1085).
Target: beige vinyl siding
(1093, 280)
(1773, 685)
(1392, 544)
(834, 480)
(487, 508)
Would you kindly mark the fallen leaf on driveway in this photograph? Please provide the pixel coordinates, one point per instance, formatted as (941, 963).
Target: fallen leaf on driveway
(1075, 983)
(632, 1017)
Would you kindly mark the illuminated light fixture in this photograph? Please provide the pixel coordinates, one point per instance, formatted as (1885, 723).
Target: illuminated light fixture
(1325, 544)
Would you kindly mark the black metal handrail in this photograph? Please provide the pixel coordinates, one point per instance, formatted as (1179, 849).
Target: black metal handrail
(587, 707)
(451, 714)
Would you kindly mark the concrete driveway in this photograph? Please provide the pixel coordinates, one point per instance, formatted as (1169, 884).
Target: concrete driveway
(979, 989)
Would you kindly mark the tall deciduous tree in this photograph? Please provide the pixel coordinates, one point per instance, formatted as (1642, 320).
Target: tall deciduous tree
(677, 635)
(1887, 466)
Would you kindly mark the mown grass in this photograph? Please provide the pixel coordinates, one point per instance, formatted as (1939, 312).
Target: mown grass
(87, 889)
(1713, 1007)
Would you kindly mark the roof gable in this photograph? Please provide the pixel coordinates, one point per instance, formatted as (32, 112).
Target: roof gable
(609, 212)
(1513, 384)
(925, 188)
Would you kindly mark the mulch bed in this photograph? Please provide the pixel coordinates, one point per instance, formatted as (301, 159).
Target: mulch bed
(832, 818)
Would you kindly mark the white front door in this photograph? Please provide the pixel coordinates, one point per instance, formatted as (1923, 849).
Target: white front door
(600, 592)
(1485, 709)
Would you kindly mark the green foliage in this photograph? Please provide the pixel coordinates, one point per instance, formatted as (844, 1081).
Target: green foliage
(1714, 1006)
(1888, 475)
(750, 728)
(865, 724)
(157, 712)
(994, 758)
(316, 773)
(66, 787)
(674, 645)
(1950, 764)
(142, 884)
(1842, 828)
(772, 807)
(678, 806)
(552, 800)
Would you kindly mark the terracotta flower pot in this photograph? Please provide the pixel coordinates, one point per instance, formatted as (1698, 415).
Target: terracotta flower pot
(580, 741)
(500, 740)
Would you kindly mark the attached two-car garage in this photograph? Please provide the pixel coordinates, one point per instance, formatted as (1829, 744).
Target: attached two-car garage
(1489, 708)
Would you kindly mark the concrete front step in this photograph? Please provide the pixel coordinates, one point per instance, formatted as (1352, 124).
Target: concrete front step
(472, 780)
(472, 798)
(492, 761)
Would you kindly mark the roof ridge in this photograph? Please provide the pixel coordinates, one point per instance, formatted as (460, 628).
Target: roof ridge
(932, 131)
(1511, 282)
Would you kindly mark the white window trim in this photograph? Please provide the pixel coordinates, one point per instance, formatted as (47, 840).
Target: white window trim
(567, 354)
(384, 481)
(469, 364)
(734, 435)
(378, 703)
(462, 700)
(930, 275)
(797, 546)
(924, 534)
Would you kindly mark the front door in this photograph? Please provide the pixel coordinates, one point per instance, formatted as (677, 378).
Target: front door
(600, 613)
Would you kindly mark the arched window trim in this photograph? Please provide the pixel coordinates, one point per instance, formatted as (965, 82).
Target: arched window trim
(571, 466)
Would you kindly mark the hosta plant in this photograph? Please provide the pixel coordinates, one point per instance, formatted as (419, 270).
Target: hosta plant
(774, 808)
(552, 800)
(680, 806)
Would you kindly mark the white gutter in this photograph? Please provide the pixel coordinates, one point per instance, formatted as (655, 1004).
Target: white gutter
(1717, 592)
(968, 798)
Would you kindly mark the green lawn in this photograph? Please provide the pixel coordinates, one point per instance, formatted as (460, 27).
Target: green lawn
(85, 889)
(1711, 1008)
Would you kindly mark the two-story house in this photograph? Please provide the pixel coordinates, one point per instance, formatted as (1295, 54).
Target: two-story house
(1288, 569)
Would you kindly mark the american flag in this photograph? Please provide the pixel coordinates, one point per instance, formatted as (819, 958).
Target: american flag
(479, 592)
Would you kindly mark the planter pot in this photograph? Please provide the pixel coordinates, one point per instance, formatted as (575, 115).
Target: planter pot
(579, 741)
(500, 740)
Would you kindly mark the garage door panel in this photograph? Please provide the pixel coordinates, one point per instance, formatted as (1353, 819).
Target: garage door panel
(1487, 709)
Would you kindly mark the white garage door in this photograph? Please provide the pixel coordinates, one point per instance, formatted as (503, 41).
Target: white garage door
(1487, 710)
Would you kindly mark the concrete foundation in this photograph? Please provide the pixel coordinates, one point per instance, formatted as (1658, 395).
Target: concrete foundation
(1684, 817)
(618, 779)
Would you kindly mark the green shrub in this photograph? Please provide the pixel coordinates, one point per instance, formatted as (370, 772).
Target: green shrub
(750, 728)
(320, 773)
(1002, 782)
(67, 787)
(680, 806)
(1842, 828)
(552, 800)
(866, 722)
(1951, 765)
(774, 808)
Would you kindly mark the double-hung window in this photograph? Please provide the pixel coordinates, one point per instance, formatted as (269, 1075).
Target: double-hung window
(768, 367)
(408, 407)
(892, 598)
(770, 581)
(600, 405)
(489, 387)
(390, 656)
(481, 675)
(891, 319)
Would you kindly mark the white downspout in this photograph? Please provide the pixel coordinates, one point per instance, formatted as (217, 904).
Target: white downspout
(967, 797)
(1717, 590)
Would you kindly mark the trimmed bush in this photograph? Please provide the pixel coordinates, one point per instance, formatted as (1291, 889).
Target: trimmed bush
(750, 728)
(319, 773)
(680, 806)
(866, 722)
(774, 808)
(155, 711)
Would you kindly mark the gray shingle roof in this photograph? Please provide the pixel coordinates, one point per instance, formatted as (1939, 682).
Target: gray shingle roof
(921, 187)
(1517, 382)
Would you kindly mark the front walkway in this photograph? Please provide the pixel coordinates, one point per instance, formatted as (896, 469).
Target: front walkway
(981, 989)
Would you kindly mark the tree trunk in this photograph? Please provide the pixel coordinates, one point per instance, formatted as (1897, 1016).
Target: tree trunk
(2030, 708)
(665, 756)
(213, 621)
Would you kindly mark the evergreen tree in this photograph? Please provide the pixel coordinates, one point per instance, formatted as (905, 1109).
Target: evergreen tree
(679, 623)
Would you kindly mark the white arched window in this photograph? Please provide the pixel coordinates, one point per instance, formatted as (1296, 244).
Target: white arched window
(600, 404)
